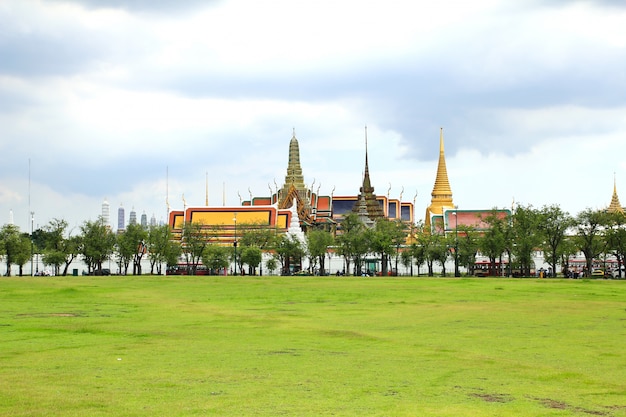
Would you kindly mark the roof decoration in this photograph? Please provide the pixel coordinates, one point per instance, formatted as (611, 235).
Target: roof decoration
(366, 192)
(615, 206)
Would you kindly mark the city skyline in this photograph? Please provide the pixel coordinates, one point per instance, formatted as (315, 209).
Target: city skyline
(146, 101)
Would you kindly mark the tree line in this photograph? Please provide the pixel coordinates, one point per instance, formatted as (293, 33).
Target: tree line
(509, 240)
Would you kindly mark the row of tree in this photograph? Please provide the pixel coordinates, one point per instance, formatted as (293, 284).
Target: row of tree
(95, 243)
(509, 240)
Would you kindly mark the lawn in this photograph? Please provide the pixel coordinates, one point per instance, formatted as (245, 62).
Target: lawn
(271, 346)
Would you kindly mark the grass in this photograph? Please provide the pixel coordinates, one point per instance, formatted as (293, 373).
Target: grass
(271, 346)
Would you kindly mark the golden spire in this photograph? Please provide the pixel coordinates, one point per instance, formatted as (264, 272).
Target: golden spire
(615, 206)
(442, 193)
(294, 183)
(294, 170)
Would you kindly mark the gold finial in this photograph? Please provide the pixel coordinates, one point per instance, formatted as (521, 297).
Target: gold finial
(615, 206)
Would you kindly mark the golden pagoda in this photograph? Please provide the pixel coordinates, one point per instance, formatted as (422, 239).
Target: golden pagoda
(615, 206)
(442, 193)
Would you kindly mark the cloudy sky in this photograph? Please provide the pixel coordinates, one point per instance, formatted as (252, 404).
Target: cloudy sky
(136, 101)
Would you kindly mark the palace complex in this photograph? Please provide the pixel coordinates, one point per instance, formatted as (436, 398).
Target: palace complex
(295, 201)
(296, 204)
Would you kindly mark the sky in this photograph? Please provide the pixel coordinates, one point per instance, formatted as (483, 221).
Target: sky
(145, 103)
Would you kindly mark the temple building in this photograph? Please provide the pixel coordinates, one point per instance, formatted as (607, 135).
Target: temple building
(293, 202)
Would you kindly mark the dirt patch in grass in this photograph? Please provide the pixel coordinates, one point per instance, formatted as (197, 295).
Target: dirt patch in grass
(559, 405)
(493, 398)
(39, 315)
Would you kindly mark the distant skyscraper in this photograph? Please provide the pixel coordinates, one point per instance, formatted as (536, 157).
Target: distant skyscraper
(144, 220)
(153, 221)
(106, 217)
(121, 220)
(133, 217)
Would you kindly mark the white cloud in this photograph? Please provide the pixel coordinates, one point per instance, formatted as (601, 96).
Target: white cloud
(103, 101)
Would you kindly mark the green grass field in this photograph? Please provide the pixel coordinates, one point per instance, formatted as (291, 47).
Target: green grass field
(271, 346)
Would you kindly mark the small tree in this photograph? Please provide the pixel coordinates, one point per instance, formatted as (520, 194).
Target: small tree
(216, 257)
(288, 248)
(97, 244)
(553, 225)
(162, 248)
(195, 239)
(589, 239)
(131, 247)
(251, 256)
(494, 241)
(271, 264)
(318, 242)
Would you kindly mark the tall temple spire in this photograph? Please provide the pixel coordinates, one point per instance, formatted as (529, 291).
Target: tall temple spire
(294, 184)
(442, 193)
(374, 210)
(615, 206)
(294, 170)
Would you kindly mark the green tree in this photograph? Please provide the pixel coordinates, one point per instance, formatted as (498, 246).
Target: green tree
(195, 239)
(426, 242)
(162, 248)
(56, 248)
(494, 241)
(288, 250)
(251, 256)
(256, 236)
(352, 242)
(589, 235)
(216, 257)
(71, 249)
(553, 226)
(24, 251)
(616, 238)
(49, 241)
(131, 246)
(467, 243)
(16, 247)
(440, 250)
(97, 244)
(318, 242)
(271, 264)
(527, 236)
(386, 239)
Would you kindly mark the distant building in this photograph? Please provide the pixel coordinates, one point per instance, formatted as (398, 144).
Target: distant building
(153, 221)
(121, 219)
(106, 215)
(132, 219)
(144, 220)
